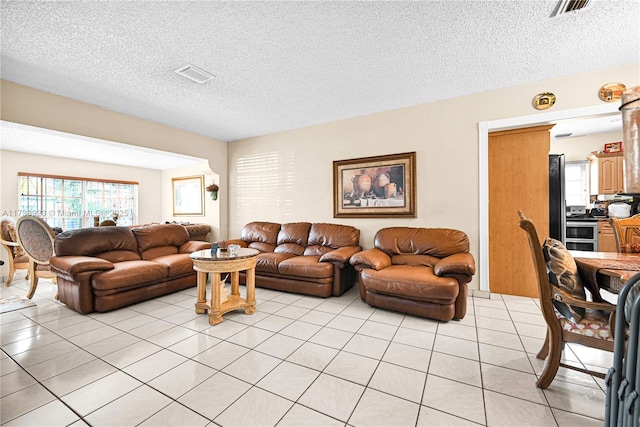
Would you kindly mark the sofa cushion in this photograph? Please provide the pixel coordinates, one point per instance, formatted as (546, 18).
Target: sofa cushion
(155, 236)
(178, 264)
(324, 238)
(97, 240)
(129, 273)
(261, 235)
(307, 266)
(414, 260)
(153, 253)
(437, 242)
(416, 283)
(292, 238)
(268, 261)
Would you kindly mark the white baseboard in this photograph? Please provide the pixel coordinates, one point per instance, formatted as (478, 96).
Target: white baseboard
(478, 293)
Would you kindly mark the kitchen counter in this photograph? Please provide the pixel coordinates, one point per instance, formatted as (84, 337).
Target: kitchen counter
(585, 219)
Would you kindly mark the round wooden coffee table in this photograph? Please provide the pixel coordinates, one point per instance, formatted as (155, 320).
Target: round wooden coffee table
(204, 262)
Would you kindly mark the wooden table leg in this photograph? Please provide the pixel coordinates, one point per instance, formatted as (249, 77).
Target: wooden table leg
(235, 283)
(201, 303)
(251, 291)
(215, 316)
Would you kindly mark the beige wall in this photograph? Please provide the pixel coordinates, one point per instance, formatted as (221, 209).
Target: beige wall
(290, 176)
(211, 209)
(21, 104)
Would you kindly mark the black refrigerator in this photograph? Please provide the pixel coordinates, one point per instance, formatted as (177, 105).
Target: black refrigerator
(557, 203)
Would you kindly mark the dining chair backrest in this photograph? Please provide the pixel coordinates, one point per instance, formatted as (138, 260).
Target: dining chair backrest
(627, 233)
(569, 317)
(540, 266)
(36, 238)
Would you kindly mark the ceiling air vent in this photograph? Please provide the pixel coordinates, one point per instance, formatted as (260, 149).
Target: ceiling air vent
(194, 73)
(566, 6)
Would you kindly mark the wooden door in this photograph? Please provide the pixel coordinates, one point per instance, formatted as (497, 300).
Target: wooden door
(518, 180)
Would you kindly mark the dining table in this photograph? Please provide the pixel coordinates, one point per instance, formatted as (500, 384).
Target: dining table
(606, 270)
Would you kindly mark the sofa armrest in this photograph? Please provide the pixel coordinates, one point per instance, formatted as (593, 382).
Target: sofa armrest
(371, 258)
(70, 265)
(456, 264)
(194, 245)
(341, 255)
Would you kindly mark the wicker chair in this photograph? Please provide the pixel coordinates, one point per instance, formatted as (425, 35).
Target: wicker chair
(36, 238)
(17, 258)
(593, 330)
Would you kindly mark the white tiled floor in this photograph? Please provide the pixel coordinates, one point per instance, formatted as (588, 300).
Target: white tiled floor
(298, 361)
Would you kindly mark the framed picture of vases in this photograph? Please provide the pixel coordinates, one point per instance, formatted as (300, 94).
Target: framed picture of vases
(375, 187)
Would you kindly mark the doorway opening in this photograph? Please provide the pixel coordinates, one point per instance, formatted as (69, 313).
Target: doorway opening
(483, 158)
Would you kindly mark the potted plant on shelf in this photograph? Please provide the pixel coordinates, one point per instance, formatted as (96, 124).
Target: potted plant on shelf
(213, 191)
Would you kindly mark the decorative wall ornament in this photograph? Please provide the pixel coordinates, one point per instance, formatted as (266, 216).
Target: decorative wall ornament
(544, 100)
(611, 92)
(375, 187)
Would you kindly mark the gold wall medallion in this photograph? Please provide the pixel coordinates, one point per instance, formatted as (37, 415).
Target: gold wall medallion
(544, 100)
(611, 91)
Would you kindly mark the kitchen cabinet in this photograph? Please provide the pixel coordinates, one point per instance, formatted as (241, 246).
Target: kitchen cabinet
(606, 173)
(606, 239)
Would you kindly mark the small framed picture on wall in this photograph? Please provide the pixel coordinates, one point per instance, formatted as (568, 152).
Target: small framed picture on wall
(613, 147)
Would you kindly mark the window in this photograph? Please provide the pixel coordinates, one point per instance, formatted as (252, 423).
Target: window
(576, 176)
(70, 202)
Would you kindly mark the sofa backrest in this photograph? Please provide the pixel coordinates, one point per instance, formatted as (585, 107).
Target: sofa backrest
(419, 246)
(159, 240)
(261, 235)
(299, 238)
(114, 244)
(324, 238)
(293, 237)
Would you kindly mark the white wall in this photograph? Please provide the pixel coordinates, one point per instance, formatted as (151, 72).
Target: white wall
(150, 190)
(443, 134)
(580, 147)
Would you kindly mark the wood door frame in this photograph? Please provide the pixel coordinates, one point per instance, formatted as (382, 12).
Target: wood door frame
(483, 159)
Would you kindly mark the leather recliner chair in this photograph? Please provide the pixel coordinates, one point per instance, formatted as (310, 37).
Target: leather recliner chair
(419, 271)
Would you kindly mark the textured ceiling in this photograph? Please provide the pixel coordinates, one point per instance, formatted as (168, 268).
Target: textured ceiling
(286, 65)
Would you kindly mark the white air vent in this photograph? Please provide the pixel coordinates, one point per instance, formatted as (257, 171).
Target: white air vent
(194, 73)
(566, 6)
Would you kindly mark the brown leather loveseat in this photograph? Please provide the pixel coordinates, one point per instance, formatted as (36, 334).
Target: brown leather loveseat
(420, 271)
(104, 268)
(301, 257)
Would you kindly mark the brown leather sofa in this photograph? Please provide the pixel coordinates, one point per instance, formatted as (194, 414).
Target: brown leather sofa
(301, 257)
(104, 268)
(419, 271)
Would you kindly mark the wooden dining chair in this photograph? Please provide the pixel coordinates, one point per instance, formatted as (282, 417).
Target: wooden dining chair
(37, 239)
(559, 308)
(627, 233)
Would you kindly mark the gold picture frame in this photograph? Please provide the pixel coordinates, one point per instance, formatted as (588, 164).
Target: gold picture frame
(375, 187)
(188, 195)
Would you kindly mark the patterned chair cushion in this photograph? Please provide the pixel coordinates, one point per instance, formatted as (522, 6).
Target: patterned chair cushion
(630, 248)
(17, 250)
(563, 272)
(592, 324)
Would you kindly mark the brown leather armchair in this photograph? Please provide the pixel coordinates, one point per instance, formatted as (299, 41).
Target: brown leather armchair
(419, 271)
